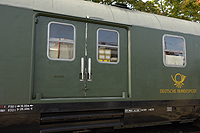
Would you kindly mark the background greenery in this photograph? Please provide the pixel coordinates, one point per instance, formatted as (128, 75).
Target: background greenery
(183, 9)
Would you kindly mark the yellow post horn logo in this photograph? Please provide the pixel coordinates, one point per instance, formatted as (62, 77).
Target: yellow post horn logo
(180, 83)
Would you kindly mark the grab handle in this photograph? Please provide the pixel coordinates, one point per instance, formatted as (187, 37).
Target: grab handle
(89, 70)
(82, 69)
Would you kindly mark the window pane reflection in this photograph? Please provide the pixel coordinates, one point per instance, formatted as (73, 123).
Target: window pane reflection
(61, 41)
(172, 43)
(174, 51)
(61, 50)
(108, 46)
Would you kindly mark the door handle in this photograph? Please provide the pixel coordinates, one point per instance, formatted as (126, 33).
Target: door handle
(82, 69)
(89, 70)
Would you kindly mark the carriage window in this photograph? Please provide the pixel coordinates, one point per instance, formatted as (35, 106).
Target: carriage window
(61, 41)
(174, 51)
(107, 46)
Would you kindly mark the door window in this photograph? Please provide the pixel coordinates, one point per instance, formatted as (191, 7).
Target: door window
(61, 41)
(107, 46)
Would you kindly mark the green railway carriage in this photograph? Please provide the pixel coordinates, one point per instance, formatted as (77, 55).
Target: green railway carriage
(70, 65)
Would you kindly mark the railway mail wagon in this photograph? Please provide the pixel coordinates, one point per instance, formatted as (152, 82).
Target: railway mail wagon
(70, 65)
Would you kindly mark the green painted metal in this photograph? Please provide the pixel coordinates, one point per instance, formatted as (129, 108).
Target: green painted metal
(15, 54)
(32, 56)
(105, 83)
(108, 80)
(149, 75)
(57, 78)
(27, 75)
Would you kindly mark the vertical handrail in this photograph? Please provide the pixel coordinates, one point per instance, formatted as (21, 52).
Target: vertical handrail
(82, 69)
(89, 69)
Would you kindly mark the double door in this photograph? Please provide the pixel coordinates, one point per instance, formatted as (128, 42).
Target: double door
(75, 59)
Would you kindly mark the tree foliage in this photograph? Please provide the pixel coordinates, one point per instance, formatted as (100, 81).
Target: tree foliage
(183, 9)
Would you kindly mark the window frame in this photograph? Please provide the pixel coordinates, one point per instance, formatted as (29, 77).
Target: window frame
(48, 40)
(118, 46)
(184, 50)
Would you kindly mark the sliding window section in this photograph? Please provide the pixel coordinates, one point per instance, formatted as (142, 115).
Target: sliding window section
(174, 51)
